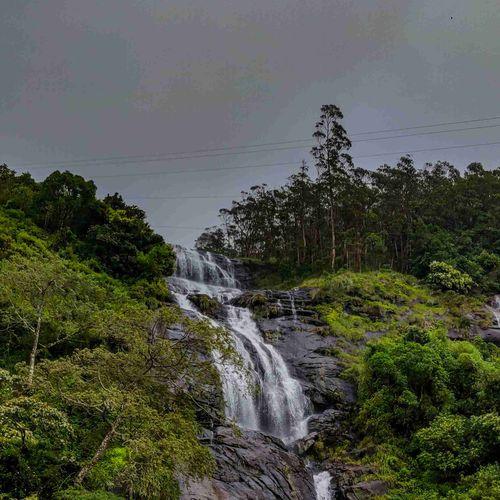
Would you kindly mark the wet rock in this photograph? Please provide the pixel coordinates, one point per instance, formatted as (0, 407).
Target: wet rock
(365, 489)
(491, 335)
(349, 483)
(252, 465)
(250, 299)
(302, 446)
(487, 334)
(310, 355)
(288, 320)
(332, 426)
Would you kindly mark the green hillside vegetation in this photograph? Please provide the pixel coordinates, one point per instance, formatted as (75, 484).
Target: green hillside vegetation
(94, 401)
(355, 304)
(427, 411)
(395, 257)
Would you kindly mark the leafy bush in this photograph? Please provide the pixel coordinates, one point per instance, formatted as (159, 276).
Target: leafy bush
(445, 277)
(434, 404)
(454, 444)
(113, 235)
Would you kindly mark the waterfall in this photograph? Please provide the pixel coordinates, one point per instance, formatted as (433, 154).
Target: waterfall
(292, 305)
(495, 310)
(265, 396)
(322, 482)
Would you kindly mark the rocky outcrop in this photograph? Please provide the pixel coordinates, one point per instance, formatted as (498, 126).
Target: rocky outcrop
(364, 490)
(484, 323)
(351, 481)
(252, 465)
(301, 337)
(206, 305)
(487, 334)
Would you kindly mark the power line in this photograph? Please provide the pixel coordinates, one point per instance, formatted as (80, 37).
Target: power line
(442, 124)
(230, 150)
(160, 158)
(177, 227)
(216, 169)
(427, 133)
(290, 164)
(428, 149)
(179, 197)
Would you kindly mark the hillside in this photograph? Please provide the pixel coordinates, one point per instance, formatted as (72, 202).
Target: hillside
(380, 383)
(95, 400)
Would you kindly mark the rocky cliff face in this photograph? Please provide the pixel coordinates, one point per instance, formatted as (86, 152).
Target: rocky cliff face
(252, 465)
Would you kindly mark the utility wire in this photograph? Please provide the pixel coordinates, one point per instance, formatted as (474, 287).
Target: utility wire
(178, 227)
(290, 164)
(463, 146)
(180, 197)
(230, 150)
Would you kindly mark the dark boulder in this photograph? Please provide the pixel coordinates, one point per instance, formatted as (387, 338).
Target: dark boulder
(350, 481)
(365, 489)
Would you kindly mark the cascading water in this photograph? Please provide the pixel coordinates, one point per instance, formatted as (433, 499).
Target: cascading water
(292, 306)
(322, 485)
(266, 398)
(495, 310)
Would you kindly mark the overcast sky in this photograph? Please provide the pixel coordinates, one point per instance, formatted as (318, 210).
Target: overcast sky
(100, 78)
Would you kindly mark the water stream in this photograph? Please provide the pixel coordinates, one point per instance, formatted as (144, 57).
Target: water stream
(322, 485)
(263, 396)
(495, 310)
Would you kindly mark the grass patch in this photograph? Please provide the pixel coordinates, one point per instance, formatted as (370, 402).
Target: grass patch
(355, 304)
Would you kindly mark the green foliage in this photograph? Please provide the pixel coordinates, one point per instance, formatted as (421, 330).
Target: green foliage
(113, 403)
(125, 245)
(405, 386)
(446, 277)
(355, 304)
(112, 235)
(431, 405)
(399, 216)
(109, 467)
(207, 305)
(81, 494)
(65, 204)
(483, 485)
(454, 444)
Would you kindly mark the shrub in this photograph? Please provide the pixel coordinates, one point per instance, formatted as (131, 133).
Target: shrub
(445, 277)
(454, 444)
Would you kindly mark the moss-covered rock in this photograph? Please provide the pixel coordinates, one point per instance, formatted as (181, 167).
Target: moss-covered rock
(207, 305)
(251, 299)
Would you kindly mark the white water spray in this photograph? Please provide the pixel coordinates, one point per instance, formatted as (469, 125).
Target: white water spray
(322, 485)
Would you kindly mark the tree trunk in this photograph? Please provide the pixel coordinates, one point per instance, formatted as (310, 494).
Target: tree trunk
(334, 251)
(99, 453)
(304, 241)
(34, 348)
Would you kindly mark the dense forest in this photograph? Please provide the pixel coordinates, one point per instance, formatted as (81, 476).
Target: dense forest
(337, 215)
(93, 396)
